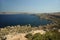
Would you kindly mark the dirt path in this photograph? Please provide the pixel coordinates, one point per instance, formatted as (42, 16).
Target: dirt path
(20, 36)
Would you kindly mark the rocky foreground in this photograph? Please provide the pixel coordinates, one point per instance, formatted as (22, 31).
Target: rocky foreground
(19, 33)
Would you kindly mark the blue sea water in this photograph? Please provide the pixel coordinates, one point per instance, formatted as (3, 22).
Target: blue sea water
(21, 19)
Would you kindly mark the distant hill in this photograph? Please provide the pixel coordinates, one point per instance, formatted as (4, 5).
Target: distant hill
(55, 13)
(14, 13)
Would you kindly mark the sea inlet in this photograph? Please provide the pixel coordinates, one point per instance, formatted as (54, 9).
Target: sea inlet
(22, 19)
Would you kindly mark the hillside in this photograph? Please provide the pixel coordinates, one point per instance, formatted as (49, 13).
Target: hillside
(19, 32)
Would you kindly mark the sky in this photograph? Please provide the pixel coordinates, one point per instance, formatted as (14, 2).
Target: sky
(34, 6)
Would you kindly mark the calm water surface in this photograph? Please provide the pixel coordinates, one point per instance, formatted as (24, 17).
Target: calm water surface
(21, 19)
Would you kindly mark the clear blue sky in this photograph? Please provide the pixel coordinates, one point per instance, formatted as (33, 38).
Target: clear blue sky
(29, 6)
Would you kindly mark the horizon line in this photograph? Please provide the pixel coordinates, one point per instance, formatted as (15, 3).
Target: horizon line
(25, 12)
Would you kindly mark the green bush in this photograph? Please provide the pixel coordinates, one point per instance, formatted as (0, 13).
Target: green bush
(29, 36)
(51, 35)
